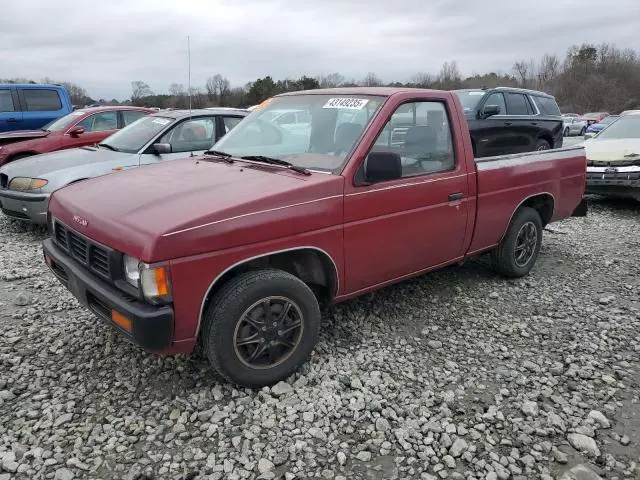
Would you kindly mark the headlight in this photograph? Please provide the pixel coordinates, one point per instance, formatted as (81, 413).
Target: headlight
(24, 184)
(132, 270)
(154, 282)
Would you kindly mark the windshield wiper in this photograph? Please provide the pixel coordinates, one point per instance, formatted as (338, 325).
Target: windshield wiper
(277, 161)
(106, 145)
(223, 155)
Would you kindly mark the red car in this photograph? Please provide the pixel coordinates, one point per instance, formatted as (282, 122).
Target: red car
(593, 117)
(234, 250)
(79, 128)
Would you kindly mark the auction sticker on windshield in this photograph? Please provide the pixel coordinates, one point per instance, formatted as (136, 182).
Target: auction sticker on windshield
(161, 121)
(348, 103)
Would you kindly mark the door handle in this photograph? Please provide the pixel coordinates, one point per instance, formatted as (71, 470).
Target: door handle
(456, 196)
(507, 123)
(534, 123)
(12, 120)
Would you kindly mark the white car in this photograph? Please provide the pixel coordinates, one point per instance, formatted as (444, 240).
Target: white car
(572, 124)
(613, 159)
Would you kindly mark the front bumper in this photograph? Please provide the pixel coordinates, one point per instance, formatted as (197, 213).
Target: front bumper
(30, 207)
(614, 181)
(152, 326)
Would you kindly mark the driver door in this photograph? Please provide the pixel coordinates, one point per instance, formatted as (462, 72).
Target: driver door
(191, 136)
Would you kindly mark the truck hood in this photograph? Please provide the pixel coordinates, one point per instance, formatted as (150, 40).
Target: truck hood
(622, 150)
(47, 164)
(191, 206)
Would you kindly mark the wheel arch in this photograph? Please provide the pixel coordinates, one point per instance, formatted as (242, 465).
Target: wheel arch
(313, 265)
(544, 203)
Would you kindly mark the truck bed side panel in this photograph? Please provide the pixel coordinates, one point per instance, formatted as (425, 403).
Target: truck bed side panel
(506, 182)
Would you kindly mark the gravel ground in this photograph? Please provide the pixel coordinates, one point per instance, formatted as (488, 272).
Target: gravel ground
(458, 374)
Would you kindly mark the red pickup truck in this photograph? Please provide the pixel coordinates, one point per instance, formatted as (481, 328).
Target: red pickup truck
(234, 250)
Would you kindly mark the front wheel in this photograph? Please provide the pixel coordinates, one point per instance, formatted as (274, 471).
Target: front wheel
(261, 327)
(566, 132)
(583, 131)
(519, 249)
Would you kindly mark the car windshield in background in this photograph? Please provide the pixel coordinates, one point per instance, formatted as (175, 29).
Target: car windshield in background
(137, 134)
(311, 131)
(609, 119)
(469, 98)
(624, 127)
(63, 122)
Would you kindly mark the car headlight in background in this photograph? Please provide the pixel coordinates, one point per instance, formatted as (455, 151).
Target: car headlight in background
(24, 184)
(154, 282)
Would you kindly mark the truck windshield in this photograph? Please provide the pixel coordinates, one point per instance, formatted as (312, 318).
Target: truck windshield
(469, 98)
(314, 131)
(624, 127)
(63, 122)
(137, 134)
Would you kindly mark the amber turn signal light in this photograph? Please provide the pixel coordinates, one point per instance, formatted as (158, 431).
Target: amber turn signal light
(122, 321)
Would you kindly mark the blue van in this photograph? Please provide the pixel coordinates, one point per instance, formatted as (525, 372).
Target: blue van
(31, 106)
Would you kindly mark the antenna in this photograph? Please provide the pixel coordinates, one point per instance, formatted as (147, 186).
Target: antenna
(189, 62)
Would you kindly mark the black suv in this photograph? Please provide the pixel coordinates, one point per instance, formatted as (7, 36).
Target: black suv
(511, 120)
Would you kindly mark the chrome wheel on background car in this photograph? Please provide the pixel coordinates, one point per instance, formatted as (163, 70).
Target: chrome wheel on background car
(268, 332)
(566, 132)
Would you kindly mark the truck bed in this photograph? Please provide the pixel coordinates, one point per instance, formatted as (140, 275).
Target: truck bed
(510, 180)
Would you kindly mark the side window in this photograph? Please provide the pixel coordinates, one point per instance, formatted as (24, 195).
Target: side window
(230, 123)
(191, 135)
(6, 102)
(420, 133)
(100, 122)
(40, 100)
(497, 98)
(548, 106)
(130, 116)
(516, 104)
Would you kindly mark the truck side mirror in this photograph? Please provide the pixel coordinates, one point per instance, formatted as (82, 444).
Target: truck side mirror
(160, 148)
(490, 110)
(382, 166)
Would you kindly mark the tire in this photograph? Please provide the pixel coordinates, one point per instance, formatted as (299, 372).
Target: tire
(542, 145)
(583, 131)
(238, 310)
(525, 228)
(566, 132)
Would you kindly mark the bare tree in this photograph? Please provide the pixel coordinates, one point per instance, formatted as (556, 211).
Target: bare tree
(330, 81)
(177, 90)
(521, 70)
(139, 89)
(449, 77)
(423, 80)
(218, 88)
(371, 80)
(548, 70)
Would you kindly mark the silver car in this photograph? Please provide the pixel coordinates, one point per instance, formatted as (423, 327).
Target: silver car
(573, 125)
(27, 184)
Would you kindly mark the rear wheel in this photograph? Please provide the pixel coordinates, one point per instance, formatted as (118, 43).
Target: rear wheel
(542, 145)
(583, 131)
(261, 327)
(566, 132)
(517, 253)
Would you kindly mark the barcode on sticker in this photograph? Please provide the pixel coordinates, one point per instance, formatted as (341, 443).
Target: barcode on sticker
(348, 103)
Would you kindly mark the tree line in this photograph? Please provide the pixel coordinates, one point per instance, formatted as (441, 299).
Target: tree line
(588, 78)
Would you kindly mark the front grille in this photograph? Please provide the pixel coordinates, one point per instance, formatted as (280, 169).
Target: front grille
(629, 176)
(4, 180)
(88, 253)
(619, 163)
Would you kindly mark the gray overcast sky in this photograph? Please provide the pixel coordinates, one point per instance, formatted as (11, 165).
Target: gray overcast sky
(103, 46)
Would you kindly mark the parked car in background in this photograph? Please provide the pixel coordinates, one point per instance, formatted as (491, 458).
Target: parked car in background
(82, 127)
(31, 106)
(594, 128)
(510, 120)
(234, 250)
(593, 117)
(613, 159)
(573, 125)
(25, 185)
